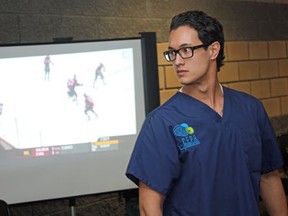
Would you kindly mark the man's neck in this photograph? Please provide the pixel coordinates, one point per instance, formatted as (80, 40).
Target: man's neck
(210, 94)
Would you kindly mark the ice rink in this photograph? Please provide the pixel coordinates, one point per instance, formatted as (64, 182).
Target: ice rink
(38, 112)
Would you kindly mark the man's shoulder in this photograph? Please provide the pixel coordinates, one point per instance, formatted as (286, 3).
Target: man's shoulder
(165, 107)
(240, 94)
(243, 98)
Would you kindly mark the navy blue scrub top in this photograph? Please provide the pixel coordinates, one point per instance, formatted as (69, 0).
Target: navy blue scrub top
(203, 163)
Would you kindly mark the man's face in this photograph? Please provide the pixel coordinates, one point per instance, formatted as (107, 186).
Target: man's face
(195, 69)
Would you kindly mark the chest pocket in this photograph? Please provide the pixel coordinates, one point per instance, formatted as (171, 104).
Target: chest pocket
(248, 141)
(253, 151)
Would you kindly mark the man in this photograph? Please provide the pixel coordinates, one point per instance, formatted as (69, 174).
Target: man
(99, 73)
(89, 106)
(47, 62)
(209, 150)
(71, 85)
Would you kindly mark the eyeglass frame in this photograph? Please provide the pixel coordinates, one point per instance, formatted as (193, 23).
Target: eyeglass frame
(166, 53)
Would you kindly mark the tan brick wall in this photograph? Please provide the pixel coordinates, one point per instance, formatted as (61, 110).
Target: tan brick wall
(284, 105)
(259, 68)
(230, 72)
(260, 88)
(277, 49)
(268, 69)
(237, 50)
(283, 67)
(258, 50)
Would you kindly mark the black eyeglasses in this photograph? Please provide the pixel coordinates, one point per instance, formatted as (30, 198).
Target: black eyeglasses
(185, 52)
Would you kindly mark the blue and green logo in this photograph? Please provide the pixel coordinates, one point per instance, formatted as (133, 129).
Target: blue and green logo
(185, 136)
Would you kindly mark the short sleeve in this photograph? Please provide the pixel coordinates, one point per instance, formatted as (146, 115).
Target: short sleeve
(154, 160)
(271, 155)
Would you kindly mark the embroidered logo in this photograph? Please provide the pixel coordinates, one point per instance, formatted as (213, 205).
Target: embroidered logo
(185, 136)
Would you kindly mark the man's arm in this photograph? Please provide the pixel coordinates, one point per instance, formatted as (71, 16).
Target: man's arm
(150, 201)
(273, 194)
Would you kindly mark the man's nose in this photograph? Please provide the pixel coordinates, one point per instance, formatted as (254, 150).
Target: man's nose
(178, 59)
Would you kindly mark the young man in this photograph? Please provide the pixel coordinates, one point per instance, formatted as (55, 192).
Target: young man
(209, 150)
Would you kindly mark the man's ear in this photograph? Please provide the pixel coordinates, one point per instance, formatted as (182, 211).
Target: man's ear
(214, 49)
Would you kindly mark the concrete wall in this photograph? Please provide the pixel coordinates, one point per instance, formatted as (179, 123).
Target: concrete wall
(30, 21)
(256, 57)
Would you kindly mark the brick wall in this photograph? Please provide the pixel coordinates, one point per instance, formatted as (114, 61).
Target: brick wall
(259, 68)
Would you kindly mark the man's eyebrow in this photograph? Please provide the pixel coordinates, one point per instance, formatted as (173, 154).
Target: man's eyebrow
(181, 46)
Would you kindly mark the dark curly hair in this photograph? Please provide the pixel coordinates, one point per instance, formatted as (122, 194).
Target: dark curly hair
(209, 29)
